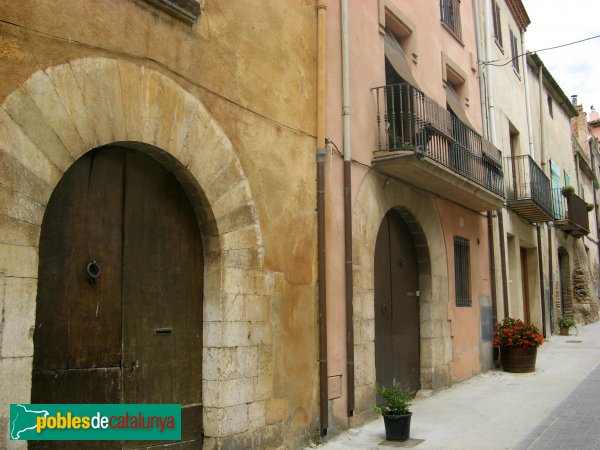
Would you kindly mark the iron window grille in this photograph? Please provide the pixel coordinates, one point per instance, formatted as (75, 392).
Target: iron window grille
(462, 271)
(450, 14)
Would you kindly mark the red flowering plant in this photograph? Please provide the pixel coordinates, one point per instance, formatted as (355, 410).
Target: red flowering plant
(516, 333)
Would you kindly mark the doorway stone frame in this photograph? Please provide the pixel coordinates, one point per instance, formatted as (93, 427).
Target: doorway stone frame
(378, 194)
(64, 111)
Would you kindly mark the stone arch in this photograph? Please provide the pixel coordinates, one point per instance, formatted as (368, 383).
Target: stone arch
(377, 195)
(64, 111)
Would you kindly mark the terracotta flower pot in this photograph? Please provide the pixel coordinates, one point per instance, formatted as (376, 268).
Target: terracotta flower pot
(564, 331)
(518, 359)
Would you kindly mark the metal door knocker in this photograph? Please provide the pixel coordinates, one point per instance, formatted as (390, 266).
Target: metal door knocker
(93, 270)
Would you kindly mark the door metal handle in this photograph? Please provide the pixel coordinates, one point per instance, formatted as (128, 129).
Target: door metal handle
(93, 270)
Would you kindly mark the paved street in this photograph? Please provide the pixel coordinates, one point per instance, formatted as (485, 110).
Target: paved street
(575, 423)
(557, 407)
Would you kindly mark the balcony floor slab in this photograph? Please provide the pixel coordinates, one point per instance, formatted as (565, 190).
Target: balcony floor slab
(434, 177)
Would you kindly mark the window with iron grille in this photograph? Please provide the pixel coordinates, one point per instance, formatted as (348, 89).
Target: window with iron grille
(450, 13)
(462, 271)
(497, 23)
(514, 49)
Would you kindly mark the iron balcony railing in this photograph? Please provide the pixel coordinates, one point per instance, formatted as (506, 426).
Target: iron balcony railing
(450, 13)
(409, 120)
(570, 212)
(525, 180)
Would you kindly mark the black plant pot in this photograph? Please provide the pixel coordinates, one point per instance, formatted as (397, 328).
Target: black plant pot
(397, 428)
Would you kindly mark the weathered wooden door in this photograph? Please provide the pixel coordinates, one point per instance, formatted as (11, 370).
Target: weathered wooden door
(119, 307)
(397, 343)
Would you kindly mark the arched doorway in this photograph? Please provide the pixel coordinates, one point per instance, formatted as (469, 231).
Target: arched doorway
(120, 292)
(397, 335)
(564, 267)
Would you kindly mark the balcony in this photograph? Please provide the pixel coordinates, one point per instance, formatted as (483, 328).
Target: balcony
(570, 213)
(528, 190)
(423, 144)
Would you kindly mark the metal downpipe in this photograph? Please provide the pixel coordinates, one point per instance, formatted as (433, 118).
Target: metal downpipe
(321, 154)
(551, 278)
(349, 285)
(492, 264)
(541, 269)
(503, 262)
(323, 394)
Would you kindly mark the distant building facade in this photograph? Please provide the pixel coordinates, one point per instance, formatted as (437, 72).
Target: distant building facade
(422, 178)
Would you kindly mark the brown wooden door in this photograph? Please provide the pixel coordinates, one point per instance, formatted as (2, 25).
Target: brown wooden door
(134, 333)
(397, 334)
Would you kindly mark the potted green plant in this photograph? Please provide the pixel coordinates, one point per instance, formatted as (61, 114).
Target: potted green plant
(589, 206)
(567, 191)
(394, 405)
(518, 342)
(565, 324)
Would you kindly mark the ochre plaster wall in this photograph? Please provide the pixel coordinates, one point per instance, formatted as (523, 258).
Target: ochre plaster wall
(251, 69)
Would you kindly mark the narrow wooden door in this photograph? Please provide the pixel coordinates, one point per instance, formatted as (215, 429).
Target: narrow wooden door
(525, 286)
(397, 337)
(119, 307)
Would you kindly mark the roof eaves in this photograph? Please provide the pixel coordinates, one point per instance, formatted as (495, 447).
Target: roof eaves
(519, 13)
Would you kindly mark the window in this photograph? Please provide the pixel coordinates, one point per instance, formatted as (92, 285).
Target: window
(450, 13)
(515, 145)
(462, 271)
(514, 50)
(497, 24)
(567, 178)
(549, 100)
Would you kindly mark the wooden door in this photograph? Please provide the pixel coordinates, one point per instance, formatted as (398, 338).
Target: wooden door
(397, 337)
(119, 307)
(525, 286)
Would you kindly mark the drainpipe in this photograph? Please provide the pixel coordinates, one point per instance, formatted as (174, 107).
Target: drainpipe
(541, 269)
(492, 264)
(488, 71)
(482, 96)
(484, 117)
(551, 277)
(547, 170)
(321, 153)
(542, 142)
(347, 210)
(527, 99)
(492, 136)
(532, 154)
(503, 262)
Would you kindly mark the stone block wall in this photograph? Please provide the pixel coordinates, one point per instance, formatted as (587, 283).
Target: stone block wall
(377, 194)
(62, 112)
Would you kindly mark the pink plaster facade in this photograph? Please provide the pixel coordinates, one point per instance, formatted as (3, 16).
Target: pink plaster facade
(433, 51)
